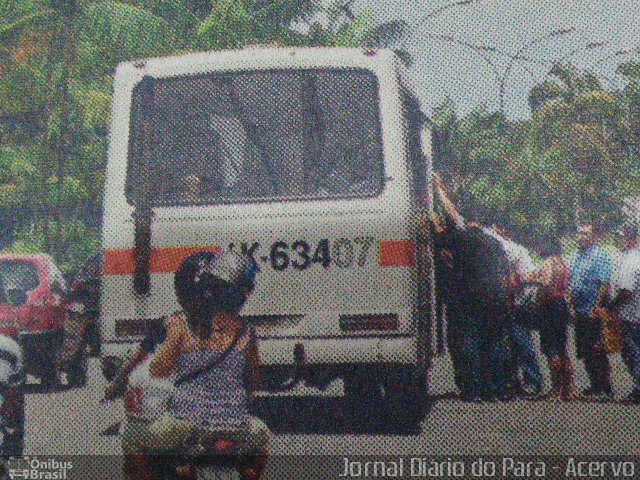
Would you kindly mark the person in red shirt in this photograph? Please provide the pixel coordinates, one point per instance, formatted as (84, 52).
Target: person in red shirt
(552, 278)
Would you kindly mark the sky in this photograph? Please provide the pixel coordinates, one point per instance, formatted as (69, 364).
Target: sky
(442, 69)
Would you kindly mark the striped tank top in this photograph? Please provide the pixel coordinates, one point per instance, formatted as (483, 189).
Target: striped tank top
(218, 397)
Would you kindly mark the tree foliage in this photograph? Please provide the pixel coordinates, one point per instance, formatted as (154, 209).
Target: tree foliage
(575, 159)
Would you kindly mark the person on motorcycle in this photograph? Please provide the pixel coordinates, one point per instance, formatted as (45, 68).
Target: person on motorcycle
(12, 376)
(213, 355)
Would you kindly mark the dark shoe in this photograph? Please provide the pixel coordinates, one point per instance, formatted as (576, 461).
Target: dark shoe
(533, 396)
(633, 397)
(470, 398)
(591, 392)
(600, 394)
(487, 397)
(530, 393)
(507, 397)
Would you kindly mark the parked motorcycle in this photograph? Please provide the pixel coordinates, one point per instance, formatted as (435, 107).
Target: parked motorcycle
(73, 358)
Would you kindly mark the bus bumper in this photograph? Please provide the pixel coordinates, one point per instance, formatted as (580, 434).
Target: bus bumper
(323, 351)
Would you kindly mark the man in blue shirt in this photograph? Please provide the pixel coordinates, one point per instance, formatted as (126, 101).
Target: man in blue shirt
(590, 269)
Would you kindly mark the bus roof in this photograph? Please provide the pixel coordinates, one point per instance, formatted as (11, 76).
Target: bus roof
(259, 57)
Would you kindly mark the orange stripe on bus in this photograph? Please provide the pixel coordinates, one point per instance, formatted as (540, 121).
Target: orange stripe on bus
(163, 260)
(397, 253)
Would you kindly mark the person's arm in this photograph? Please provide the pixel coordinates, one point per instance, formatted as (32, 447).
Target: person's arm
(116, 387)
(448, 205)
(603, 293)
(569, 300)
(604, 276)
(156, 336)
(167, 353)
(253, 367)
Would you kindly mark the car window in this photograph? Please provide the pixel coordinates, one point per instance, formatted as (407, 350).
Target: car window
(17, 275)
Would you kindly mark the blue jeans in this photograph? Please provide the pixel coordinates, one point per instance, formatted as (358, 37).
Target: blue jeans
(526, 359)
(631, 350)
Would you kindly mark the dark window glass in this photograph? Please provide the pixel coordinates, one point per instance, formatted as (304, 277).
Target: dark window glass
(256, 136)
(415, 119)
(17, 276)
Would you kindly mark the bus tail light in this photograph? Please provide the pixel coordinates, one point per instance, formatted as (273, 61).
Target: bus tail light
(274, 325)
(372, 322)
(135, 327)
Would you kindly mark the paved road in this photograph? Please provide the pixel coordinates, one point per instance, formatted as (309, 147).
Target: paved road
(71, 423)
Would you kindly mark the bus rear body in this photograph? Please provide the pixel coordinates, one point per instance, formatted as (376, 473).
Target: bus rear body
(297, 157)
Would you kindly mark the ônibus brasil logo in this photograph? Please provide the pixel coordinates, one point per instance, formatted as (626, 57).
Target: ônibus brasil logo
(34, 468)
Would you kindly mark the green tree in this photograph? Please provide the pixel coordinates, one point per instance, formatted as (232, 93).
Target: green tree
(581, 125)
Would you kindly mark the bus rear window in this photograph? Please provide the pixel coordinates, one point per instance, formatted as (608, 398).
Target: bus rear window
(256, 136)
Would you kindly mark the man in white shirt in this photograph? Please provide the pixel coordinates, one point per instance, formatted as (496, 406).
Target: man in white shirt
(525, 357)
(626, 302)
(518, 254)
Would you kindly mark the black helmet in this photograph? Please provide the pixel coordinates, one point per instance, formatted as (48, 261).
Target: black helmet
(207, 283)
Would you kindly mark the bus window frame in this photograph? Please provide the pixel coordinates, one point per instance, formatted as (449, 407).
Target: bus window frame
(132, 188)
(415, 120)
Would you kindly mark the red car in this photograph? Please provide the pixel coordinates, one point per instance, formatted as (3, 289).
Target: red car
(32, 309)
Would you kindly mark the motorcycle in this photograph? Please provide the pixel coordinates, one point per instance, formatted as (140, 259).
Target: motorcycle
(73, 356)
(201, 457)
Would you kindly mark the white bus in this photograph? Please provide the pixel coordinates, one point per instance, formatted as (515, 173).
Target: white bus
(314, 161)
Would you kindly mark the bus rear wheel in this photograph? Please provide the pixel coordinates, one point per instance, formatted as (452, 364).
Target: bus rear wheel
(363, 391)
(405, 392)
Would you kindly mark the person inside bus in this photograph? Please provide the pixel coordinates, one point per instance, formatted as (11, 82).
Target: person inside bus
(472, 269)
(242, 163)
(214, 356)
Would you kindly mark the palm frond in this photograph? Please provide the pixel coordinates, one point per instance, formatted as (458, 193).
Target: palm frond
(9, 32)
(228, 26)
(630, 70)
(179, 13)
(127, 31)
(385, 35)
(354, 33)
(545, 92)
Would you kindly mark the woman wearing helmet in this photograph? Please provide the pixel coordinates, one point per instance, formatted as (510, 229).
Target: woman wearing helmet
(214, 357)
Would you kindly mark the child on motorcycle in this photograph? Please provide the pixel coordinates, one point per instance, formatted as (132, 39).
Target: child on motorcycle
(214, 357)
